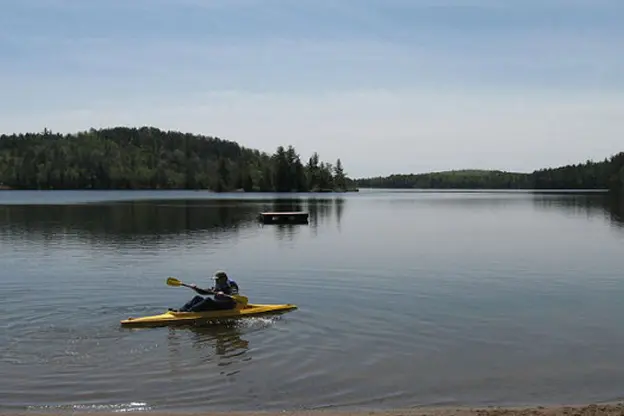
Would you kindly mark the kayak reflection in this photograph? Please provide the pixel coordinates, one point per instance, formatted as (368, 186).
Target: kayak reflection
(224, 342)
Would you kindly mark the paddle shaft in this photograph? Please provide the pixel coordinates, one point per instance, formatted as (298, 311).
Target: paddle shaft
(191, 287)
(172, 281)
(210, 291)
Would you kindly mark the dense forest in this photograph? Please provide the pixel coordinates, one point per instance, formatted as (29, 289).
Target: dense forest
(457, 179)
(608, 174)
(149, 158)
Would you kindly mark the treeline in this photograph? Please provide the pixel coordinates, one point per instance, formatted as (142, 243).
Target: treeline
(608, 174)
(460, 179)
(149, 158)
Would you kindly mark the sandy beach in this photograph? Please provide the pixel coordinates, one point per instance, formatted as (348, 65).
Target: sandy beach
(586, 410)
(589, 410)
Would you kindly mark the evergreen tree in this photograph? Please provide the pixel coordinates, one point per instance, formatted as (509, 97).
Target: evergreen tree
(339, 176)
(314, 174)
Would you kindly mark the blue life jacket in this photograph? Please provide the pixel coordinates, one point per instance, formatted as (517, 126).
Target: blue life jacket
(230, 289)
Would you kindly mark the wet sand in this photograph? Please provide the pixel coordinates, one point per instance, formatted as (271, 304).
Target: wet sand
(587, 410)
(590, 410)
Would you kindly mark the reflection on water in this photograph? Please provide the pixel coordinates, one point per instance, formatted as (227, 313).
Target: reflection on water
(126, 220)
(616, 210)
(154, 220)
(607, 206)
(224, 341)
(319, 210)
(339, 204)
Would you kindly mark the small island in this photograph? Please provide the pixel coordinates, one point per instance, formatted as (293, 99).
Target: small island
(150, 158)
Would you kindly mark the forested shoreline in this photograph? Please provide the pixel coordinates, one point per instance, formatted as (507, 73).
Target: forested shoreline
(150, 158)
(607, 174)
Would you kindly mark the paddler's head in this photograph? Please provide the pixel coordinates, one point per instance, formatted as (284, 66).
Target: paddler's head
(220, 278)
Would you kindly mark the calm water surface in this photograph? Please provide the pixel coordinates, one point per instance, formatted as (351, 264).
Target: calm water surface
(406, 299)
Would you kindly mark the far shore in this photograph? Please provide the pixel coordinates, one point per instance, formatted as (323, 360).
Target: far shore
(610, 409)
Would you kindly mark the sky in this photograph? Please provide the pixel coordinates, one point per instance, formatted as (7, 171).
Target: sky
(387, 86)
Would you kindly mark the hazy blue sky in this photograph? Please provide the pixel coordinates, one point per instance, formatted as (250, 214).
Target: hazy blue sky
(387, 85)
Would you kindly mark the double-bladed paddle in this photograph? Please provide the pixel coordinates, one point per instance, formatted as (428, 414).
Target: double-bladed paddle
(172, 281)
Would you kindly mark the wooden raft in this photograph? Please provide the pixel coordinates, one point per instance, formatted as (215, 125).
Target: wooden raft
(297, 217)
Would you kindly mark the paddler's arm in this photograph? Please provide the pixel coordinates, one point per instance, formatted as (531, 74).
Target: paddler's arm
(222, 294)
(201, 291)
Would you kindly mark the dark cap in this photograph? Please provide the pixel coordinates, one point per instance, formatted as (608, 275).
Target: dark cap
(219, 274)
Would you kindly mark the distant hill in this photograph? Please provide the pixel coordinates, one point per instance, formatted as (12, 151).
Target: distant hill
(149, 158)
(454, 179)
(608, 174)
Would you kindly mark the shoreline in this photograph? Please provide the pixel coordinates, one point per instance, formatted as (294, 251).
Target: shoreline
(607, 409)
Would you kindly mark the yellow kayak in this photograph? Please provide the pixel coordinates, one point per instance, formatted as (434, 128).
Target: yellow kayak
(178, 318)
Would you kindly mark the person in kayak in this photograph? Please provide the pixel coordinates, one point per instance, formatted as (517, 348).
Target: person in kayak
(222, 291)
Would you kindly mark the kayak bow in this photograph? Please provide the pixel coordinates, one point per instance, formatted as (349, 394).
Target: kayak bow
(181, 318)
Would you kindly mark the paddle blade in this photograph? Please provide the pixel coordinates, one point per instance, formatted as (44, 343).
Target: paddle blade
(241, 300)
(172, 281)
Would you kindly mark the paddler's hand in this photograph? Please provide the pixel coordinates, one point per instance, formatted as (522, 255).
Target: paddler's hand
(193, 285)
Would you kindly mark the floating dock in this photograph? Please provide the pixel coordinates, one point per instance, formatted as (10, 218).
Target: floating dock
(297, 217)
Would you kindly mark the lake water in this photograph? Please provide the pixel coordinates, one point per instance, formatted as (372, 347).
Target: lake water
(405, 299)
